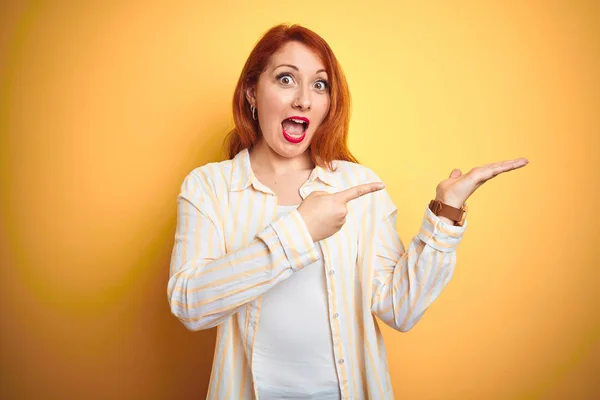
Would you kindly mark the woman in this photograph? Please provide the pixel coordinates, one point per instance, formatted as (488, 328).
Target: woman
(290, 246)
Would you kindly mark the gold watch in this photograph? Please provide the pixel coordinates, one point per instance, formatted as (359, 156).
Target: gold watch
(458, 215)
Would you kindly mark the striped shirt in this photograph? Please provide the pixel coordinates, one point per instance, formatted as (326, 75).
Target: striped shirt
(230, 248)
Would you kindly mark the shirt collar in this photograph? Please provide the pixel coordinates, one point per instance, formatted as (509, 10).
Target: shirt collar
(242, 175)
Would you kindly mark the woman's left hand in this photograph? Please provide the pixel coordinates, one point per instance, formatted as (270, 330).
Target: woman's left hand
(455, 190)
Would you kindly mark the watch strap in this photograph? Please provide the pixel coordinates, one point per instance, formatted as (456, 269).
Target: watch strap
(445, 210)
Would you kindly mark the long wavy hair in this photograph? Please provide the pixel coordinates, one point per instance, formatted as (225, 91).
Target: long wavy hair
(330, 140)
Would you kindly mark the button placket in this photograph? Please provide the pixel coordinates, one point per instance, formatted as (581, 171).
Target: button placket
(334, 316)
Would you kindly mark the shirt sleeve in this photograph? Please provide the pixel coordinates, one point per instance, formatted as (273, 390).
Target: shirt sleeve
(206, 284)
(406, 283)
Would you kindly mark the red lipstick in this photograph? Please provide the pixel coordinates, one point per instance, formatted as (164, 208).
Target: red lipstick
(295, 139)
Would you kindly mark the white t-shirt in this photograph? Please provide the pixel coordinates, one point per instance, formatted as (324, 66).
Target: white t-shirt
(293, 351)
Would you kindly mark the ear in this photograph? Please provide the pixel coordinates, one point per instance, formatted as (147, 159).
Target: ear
(251, 95)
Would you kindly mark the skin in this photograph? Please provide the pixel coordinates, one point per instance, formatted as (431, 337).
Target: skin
(284, 167)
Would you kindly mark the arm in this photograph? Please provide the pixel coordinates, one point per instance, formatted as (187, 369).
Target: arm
(206, 285)
(406, 283)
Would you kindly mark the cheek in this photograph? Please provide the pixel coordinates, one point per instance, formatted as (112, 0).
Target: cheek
(274, 99)
(324, 107)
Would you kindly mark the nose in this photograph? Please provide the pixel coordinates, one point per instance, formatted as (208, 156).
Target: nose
(303, 100)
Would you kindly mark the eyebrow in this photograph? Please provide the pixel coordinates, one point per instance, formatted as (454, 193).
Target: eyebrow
(296, 68)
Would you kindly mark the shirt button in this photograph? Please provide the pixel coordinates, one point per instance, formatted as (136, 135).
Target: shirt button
(341, 361)
(336, 315)
(331, 272)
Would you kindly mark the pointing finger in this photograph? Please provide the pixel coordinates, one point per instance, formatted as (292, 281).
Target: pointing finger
(359, 190)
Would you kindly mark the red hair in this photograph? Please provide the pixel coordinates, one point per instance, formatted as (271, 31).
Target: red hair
(330, 140)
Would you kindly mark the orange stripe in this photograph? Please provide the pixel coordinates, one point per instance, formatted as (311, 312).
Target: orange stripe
(223, 359)
(307, 242)
(244, 355)
(197, 242)
(216, 361)
(258, 304)
(288, 239)
(440, 268)
(250, 210)
(376, 375)
(186, 228)
(235, 357)
(208, 190)
(236, 215)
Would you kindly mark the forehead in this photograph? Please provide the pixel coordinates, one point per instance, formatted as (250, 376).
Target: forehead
(297, 54)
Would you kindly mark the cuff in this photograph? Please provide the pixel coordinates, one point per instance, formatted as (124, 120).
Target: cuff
(439, 234)
(296, 241)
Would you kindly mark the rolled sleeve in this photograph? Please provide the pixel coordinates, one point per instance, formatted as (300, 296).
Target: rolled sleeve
(439, 234)
(296, 241)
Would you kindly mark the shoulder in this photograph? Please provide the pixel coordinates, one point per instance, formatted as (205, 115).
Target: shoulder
(206, 181)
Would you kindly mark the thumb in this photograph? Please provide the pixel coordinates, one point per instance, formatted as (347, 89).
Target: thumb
(455, 173)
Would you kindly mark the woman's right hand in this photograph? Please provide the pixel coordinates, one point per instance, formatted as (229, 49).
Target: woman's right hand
(324, 214)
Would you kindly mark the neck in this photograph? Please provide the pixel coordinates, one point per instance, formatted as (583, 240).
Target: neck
(264, 159)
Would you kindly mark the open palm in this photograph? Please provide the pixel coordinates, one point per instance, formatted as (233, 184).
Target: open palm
(456, 189)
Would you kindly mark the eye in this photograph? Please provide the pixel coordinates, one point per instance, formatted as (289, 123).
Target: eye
(285, 78)
(322, 84)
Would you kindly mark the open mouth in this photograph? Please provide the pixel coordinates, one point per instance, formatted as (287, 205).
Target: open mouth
(295, 126)
(294, 129)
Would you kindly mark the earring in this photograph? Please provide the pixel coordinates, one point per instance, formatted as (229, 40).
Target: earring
(253, 110)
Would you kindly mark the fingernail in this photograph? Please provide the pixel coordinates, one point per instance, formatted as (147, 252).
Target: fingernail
(381, 185)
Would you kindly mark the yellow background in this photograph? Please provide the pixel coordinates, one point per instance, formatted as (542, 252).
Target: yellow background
(105, 108)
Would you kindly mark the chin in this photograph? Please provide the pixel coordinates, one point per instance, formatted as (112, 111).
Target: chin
(291, 153)
(289, 150)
